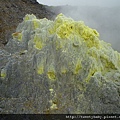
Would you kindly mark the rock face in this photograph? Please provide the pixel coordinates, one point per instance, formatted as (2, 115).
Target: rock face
(58, 66)
(12, 13)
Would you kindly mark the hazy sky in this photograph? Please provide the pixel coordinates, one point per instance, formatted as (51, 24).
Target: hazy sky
(105, 3)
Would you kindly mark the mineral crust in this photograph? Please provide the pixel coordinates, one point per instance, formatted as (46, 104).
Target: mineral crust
(58, 66)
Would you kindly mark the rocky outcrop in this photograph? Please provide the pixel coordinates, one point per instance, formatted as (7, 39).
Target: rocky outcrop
(58, 66)
(12, 13)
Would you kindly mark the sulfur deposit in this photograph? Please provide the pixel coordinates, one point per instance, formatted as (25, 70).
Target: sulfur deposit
(59, 66)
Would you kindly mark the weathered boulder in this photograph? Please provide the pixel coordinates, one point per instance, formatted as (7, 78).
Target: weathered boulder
(58, 66)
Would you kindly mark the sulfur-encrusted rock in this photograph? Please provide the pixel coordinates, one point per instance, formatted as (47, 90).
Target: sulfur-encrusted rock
(58, 66)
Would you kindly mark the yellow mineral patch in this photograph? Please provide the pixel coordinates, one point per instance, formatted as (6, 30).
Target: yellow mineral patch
(17, 35)
(38, 42)
(51, 72)
(78, 67)
(3, 73)
(36, 23)
(51, 75)
(65, 28)
(40, 69)
(53, 107)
